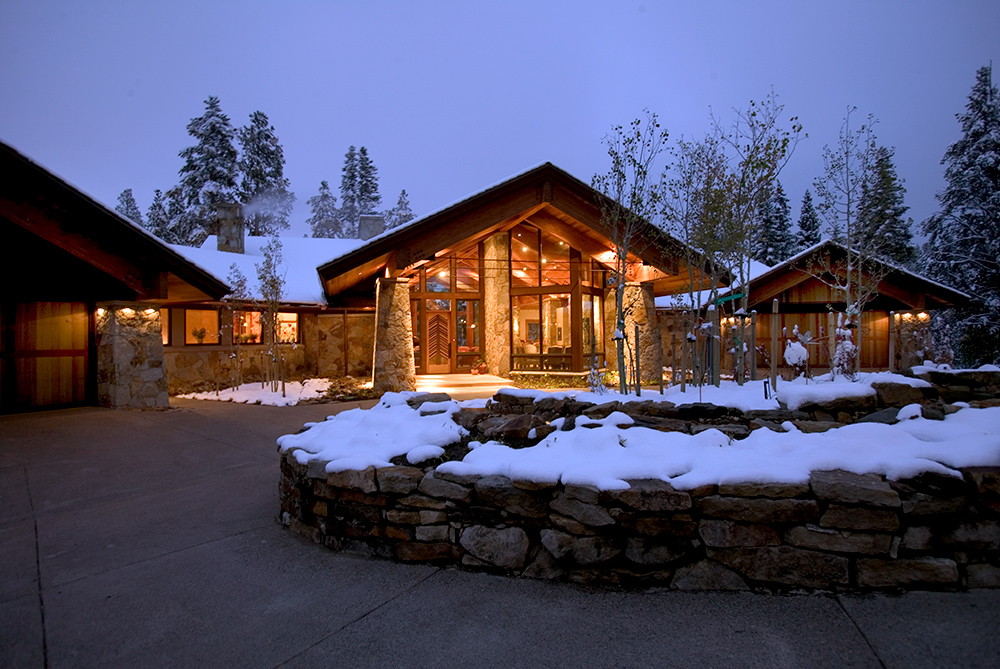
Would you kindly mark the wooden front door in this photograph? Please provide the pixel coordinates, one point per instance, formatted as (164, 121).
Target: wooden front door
(439, 342)
(45, 354)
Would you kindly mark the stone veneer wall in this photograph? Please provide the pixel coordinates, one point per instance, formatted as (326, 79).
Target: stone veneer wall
(840, 531)
(393, 367)
(640, 309)
(130, 361)
(496, 304)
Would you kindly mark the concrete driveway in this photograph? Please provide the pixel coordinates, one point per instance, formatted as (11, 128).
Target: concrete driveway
(140, 539)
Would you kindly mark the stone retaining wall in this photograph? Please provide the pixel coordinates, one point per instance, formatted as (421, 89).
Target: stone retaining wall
(840, 532)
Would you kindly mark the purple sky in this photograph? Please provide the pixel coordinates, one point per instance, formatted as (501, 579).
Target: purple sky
(450, 97)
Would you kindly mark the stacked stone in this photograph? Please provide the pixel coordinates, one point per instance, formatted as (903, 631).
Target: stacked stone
(840, 532)
(980, 387)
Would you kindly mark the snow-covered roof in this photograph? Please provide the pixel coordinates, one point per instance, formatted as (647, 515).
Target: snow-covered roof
(300, 257)
(684, 300)
(760, 272)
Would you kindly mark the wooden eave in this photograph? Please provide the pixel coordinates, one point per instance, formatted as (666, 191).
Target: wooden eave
(545, 196)
(44, 205)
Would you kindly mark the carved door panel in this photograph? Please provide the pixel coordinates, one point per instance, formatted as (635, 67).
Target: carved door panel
(439, 342)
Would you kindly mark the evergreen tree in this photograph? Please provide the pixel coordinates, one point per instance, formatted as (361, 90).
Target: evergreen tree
(880, 213)
(157, 219)
(963, 246)
(401, 213)
(774, 242)
(809, 227)
(209, 172)
(263, 189)
(187, 226)
(368, 195)
(128, 208)
(349, 213)
(325, 220)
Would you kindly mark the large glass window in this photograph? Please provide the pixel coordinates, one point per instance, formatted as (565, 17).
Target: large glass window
(555, 261)
(201, 326)
(165, 325)
(593, 325)
(246, 327)
(439, 277)
(468, 332)
(524, 263)
(415, 325)
(288, 328)
(467, 271)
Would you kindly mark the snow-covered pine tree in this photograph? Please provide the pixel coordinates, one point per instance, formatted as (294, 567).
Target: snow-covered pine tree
(349, 214)
(187, 227)
(963, 247)
(881, 210)
(263, 187)
(774, 241)
(368, 195)
(208, 175)
(809, 228)
(325, 219)
(401, 213)
(128, 208)
(158, 220)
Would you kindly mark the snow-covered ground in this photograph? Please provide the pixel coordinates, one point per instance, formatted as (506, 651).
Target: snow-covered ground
(256, 393)
(606, 455)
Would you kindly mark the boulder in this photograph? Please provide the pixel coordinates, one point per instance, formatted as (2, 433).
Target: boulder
(417, 401)
(506, 548)
(581, 550)
(896, 394)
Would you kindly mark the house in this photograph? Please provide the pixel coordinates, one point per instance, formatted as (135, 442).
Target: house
(894, 328)
(514, 276)
(80, 297)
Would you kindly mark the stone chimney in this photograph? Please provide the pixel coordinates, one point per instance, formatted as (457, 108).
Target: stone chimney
(370, 226)
(229, 227)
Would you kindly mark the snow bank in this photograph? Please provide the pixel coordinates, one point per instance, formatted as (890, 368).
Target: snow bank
(608, 452)
(931, 367)
(825, 388)
(253, 393)
(357, 439)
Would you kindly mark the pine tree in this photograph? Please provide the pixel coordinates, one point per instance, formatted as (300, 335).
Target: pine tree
(368, 195)
(325, 220)
(187, 226)
(963, 247)
(157, 219)
(774, 242)
(401, 213)
(263, 188)
(209, 172)
(880, 213)
(809, 227)
(349, 214)
(128, 208)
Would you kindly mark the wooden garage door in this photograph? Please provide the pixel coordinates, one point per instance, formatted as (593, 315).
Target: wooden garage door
(50, 345)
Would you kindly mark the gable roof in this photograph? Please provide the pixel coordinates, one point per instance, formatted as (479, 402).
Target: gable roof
(912, 289)
(48, 207)
(546, 196)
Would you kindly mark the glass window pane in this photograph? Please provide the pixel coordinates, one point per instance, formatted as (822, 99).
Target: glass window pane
(555, 261)
(524, 256)
(437, 305)
(439, 277)
(288, 328)
(415, 324)
(165, 325)
(526, 324)
(246, 327)
(467, 270)
(201, 326)
(469, 326)
(414, 282)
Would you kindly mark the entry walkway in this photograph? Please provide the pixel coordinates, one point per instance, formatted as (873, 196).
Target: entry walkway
(135, 539)
(463, 386)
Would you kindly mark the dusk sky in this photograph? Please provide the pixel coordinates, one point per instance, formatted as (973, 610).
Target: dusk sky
(450, 97)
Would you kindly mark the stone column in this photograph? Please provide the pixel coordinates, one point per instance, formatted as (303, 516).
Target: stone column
(496, 304)
(640, 310)
(392, 366)
(130, 367)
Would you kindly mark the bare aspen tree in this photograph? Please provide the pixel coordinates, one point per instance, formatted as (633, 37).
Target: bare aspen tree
(629, 196)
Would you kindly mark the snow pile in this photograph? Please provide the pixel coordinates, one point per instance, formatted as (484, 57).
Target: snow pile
(254, 393)
(931, 367)
(796, 354)
(798, 393)
(606, 456)
(358, 438)
(607, 452)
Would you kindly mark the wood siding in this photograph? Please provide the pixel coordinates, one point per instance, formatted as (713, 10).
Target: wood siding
(46, 352)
